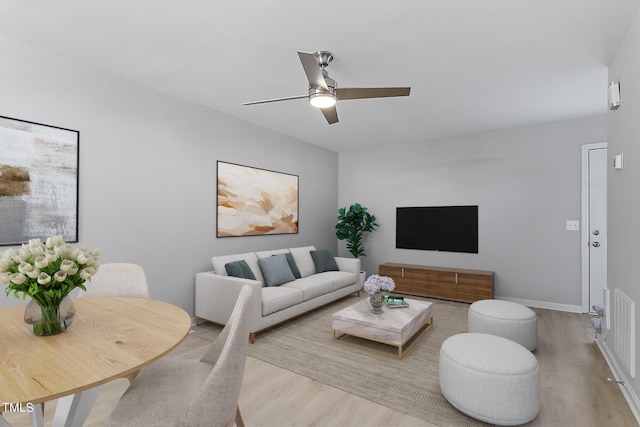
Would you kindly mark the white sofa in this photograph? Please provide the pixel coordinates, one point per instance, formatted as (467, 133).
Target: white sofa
(216, 291)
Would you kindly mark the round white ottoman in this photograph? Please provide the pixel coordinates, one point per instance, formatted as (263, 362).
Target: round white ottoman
(490, 378)
(505, 319)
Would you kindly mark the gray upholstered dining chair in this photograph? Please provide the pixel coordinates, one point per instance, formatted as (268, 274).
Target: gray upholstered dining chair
(181, 392)
(117, 280)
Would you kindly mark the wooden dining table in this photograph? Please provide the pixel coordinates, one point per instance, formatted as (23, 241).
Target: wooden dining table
(109, 338)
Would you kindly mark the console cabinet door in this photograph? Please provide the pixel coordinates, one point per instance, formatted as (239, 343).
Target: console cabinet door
(440, 284)
(403, 284)
(475, 287)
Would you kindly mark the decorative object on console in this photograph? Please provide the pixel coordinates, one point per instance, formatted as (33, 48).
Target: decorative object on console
(47, 272)
(351, 226)
(38, 181)
(253, 201)
(377, 286)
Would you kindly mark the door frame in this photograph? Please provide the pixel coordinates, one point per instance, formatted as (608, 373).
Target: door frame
(585, 237)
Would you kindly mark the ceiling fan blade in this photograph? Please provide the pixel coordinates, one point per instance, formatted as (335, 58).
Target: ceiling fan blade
(287, 98)
(371, 92)
(312, 70)
(331, 114)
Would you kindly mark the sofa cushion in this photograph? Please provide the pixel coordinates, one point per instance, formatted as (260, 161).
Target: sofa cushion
(250, 257)
(323, 260)
(303, 260)
(339, 279)
(311, 287)
(276, 270)
(276, 298)
(239, 269)
(266, 254)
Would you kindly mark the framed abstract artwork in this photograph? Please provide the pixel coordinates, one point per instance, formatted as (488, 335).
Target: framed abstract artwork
(38, 181)
(253, 201)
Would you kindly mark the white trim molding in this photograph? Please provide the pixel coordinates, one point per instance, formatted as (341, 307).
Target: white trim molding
(623, 382)
(544, 304)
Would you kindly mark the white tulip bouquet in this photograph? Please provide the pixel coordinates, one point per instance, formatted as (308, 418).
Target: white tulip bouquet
(48, 271)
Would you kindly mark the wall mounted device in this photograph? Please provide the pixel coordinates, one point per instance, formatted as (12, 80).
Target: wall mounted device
(614, 95)
(618, 163)
(438, 228)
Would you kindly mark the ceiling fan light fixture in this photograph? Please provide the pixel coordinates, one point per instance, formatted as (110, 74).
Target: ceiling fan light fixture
(321, 99)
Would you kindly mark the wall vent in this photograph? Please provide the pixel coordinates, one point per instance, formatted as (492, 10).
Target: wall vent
(625, 334)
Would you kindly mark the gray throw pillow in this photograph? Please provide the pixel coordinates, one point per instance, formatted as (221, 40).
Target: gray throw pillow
(292, 265)
(324, 261)
(276, 270)
(239, 269)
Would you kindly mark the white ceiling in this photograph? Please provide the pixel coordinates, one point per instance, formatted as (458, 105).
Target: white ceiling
(473, 65)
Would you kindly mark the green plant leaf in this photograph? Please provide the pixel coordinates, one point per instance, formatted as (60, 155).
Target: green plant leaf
(351, 226)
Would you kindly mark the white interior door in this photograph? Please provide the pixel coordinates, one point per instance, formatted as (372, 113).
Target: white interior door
(594, 225)
(597, 225)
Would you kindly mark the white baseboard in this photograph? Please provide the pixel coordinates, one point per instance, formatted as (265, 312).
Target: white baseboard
(619, 375)
(543, 304)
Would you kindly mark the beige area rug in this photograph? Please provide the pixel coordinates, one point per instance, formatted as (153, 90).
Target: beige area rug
(305, 346)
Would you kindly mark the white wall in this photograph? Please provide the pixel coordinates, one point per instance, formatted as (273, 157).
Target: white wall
(526, 182)
(623, 202)
(148, 168)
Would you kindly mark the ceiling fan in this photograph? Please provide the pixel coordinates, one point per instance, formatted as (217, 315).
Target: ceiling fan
(324, 91)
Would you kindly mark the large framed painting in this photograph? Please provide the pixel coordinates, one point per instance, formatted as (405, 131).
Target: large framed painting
(38, 181)
(253, 201)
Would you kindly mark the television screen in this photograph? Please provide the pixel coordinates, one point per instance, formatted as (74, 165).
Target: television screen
(438, 228)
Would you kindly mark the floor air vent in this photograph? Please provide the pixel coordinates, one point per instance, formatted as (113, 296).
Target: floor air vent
(625, 313)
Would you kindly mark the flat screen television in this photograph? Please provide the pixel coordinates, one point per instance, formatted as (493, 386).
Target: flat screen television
(438, 228)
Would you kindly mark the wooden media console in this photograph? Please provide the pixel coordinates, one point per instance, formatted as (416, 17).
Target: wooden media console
(455, 284)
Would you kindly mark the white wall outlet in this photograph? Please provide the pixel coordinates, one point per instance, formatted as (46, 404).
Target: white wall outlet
(573, 225)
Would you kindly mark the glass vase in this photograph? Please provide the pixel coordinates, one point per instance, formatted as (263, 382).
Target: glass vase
(376, 300)
(44, 318)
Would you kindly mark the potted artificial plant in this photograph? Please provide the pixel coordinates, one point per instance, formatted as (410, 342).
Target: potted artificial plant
(351, 226)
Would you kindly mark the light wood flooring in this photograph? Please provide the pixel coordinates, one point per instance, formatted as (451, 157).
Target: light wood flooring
(575, 390)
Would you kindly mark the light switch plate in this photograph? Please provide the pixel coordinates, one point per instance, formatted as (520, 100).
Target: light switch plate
(573, 225)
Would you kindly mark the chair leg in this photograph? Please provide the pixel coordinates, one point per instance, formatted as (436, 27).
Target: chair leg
(235, 420)
(132, 376)
(239, 420)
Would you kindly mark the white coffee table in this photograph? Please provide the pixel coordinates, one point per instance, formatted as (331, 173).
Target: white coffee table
(397, 327)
